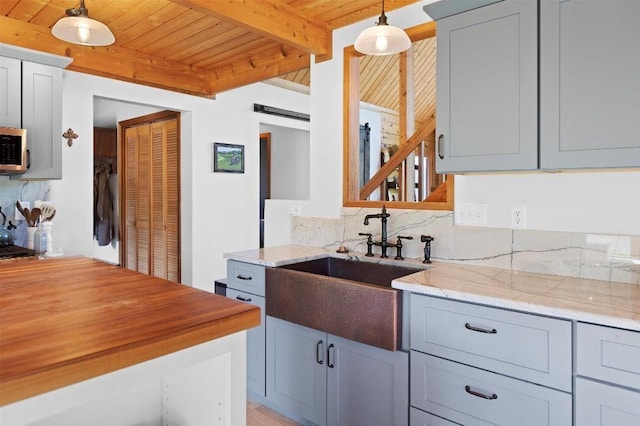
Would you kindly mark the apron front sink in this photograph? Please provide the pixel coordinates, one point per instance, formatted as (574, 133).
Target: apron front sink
(350, 299)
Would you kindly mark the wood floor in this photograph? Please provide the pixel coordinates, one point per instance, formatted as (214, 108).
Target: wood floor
(259, 415)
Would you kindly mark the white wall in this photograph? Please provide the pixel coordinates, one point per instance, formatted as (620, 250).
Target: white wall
(289, 162)
(219, 210)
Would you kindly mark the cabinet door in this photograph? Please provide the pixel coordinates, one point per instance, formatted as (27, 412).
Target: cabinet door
(10, 92)
(366, 385)
(589, 83)
(599, 404)
(487, 89)
(296, 369)
(42, 117)
(255, 343)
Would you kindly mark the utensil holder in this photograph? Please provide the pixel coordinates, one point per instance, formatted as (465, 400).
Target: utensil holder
(31, 230)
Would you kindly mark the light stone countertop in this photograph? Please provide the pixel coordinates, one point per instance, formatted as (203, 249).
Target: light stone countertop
(599, 302)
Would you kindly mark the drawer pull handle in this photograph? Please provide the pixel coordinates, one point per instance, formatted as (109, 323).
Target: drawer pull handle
(480, 329)
(479, 394)
(244, 299)
(243, 277)
(319, 346)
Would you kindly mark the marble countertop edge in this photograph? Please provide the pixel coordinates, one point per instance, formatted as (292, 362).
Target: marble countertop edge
(538, 307)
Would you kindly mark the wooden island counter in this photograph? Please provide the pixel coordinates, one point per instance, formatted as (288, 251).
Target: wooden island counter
(82, 339)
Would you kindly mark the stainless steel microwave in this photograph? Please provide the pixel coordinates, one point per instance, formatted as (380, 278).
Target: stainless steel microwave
(14, 157)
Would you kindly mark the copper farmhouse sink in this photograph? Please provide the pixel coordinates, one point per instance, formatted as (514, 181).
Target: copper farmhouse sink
(350, 299)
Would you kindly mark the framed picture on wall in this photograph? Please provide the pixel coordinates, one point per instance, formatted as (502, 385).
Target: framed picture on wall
(228, 158)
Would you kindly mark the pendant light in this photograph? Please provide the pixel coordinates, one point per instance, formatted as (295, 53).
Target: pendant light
(78, 28)
(382, 39)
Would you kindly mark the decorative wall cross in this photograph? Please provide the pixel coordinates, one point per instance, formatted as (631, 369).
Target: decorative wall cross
(70, 136)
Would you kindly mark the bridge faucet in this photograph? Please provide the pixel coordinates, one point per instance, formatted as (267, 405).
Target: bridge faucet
(383, 240)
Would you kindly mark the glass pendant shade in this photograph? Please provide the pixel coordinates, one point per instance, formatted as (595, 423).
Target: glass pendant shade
(382, 39)
(83, 30)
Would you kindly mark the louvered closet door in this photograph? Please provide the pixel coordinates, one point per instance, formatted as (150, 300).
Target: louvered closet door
(152, 199)
(165, 207)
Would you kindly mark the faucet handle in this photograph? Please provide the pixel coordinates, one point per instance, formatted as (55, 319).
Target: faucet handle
(369, 242)
(399, 246)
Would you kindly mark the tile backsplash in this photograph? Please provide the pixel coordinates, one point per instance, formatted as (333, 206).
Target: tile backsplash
(594, 256)
(18, 190)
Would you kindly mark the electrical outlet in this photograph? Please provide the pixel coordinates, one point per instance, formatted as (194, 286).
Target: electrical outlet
(518, 217)
(471, 214)
(295, 210)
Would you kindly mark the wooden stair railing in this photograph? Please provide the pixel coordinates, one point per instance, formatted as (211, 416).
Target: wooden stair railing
(401, 155)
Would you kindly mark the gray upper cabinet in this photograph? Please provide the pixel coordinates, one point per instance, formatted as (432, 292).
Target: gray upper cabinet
(487, 84)
(42, 117)
(10, 94)
(31, 98)
(589, 84)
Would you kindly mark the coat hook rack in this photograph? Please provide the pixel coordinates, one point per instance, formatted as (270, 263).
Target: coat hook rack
(69, 135)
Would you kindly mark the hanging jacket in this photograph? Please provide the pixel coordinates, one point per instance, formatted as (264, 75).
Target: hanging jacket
(103, 216)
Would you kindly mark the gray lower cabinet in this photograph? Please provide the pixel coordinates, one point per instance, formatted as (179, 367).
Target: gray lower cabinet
(328, 380)
(256, 343)
(487, 89)
(600, 404)
(10, 92)
(479, 365)
(608, 383)
(245, 282)
(589, 84)
(420, 418)
(471, 396)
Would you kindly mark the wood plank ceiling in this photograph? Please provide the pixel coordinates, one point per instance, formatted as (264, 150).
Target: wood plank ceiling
(201, 47)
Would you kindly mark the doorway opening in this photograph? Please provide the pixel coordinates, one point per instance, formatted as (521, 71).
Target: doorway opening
(106, 115)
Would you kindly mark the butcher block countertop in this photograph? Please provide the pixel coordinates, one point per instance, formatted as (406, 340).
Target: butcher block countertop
(70, 319)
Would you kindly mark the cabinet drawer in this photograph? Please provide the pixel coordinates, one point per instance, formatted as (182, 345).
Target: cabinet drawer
(609, 354)
(470, 396)
(528, 347)
(420, 418)
(599, 404)
(246, 277)
(256, 341)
